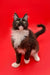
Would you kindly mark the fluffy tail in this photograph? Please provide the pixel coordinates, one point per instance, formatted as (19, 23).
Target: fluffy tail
(41, 31)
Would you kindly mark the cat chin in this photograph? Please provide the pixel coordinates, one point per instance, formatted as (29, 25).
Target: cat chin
(26, 61)
(15, 65)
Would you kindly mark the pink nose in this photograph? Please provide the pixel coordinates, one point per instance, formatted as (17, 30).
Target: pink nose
(20, 28)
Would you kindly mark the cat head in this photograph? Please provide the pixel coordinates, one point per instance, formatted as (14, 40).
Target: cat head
(20, 23)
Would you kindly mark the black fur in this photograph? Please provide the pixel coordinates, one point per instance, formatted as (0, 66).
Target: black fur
(41, 31)
(30, 41)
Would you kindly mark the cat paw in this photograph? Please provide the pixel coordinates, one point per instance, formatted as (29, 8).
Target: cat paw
(26, 61)
(36, 57)
(15, 65)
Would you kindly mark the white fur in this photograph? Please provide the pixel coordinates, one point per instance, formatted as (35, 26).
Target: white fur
(22, 51)
(32, 52)
(18, 36)
(20, 27)
(36, 57)
(26, 61)
(15, 65)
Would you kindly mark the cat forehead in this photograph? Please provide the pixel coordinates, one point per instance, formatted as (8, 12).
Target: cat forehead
(20, 19)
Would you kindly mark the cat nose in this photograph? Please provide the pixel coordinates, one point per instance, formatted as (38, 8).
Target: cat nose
(20, 27)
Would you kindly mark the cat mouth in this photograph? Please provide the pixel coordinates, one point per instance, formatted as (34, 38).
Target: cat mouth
(21, 28)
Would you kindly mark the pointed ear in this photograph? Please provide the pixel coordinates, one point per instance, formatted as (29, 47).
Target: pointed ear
(25, 17)
(15, 16)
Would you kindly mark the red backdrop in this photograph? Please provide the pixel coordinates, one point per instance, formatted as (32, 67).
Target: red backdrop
(38, 12)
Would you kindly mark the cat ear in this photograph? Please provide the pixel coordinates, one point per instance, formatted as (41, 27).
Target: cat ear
(15, 16)
(25, 17)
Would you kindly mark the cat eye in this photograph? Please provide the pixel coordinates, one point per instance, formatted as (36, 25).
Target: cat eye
(24, 22)
(17, 21)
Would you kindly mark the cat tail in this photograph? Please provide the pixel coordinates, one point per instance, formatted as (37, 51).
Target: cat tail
(41, 31)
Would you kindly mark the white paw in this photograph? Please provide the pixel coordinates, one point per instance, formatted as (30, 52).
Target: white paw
(36, 57)
(26, 61)
(15, 65)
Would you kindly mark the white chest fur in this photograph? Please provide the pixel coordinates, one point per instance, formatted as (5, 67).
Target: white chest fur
(18, 36)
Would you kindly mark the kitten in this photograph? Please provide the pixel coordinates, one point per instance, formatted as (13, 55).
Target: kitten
(24, 40)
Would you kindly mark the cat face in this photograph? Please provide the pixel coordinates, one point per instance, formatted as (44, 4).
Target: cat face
(20, 23)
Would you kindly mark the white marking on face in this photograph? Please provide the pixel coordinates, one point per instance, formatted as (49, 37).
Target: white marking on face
(18, 36)
(20, 19)
(21, 28)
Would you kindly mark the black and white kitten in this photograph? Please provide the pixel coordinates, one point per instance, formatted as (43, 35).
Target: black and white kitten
(24, 40)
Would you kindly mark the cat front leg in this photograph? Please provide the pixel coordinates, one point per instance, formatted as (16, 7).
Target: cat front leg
(18, 59)
(27, 55)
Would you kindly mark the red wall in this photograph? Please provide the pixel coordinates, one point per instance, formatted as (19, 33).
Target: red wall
(38, 12)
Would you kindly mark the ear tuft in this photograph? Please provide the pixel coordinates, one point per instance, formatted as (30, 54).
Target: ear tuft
(25, 17)
(15, 16)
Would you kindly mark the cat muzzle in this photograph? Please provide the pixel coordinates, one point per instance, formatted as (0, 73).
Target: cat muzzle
(21, 28)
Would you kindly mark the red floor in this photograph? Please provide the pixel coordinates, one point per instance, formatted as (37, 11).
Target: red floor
(39, 12)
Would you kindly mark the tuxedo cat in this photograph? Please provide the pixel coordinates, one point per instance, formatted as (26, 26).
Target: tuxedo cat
(24, 40)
